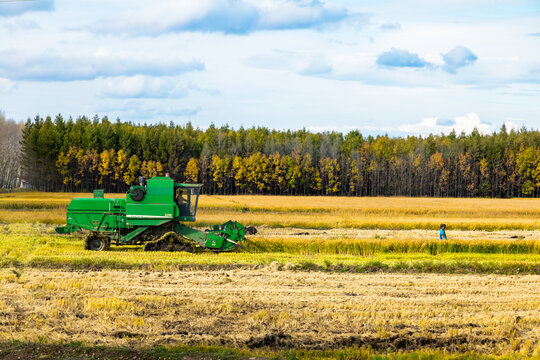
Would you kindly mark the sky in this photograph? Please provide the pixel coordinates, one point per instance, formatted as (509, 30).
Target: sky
(381, 67)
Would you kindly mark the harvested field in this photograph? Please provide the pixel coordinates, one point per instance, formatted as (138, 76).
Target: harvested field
(275, 309)
(347, 278)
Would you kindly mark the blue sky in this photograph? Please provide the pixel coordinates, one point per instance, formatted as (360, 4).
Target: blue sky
(385, 66)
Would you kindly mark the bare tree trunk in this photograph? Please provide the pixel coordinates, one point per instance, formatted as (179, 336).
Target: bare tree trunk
(10, 137)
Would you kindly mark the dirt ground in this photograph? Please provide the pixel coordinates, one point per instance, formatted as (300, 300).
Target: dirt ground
(269, 308)
(398, 234)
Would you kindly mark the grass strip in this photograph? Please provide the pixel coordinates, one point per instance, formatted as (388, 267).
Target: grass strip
(324, 264)
(80, 351)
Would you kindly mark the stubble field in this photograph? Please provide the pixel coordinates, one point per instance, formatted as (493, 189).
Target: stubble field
(325, 277)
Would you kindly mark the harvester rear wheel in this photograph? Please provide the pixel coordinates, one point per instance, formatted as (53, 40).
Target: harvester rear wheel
(96, 241)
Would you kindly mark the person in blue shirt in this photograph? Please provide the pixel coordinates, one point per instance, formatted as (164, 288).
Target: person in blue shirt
(442, 233)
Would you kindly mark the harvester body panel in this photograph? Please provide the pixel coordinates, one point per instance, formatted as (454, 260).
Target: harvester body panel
(156, 203)
(96, 214)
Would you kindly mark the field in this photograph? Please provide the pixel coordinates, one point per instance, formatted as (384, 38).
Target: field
(325, 277)
(316, 211)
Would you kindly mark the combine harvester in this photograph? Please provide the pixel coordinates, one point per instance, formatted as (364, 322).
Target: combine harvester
(151, 214)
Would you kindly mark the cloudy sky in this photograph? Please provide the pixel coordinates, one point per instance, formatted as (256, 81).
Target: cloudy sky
(380, 66)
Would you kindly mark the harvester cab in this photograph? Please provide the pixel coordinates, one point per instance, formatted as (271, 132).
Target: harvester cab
(151, 214)
(161, 198)
(187, 199)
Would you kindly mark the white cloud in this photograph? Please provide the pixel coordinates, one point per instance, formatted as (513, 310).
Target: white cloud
(313, 65)
(331, 128)
(317, 66)
(102, 51)
(144, 110)
(511, 125)
(15, 8)
(401, 58)
(458, 57)
(268, 61)
(286, 14)
(51, 66)
(466, 123)
(388, 26)
(226, 16)
(6, 85)
(18, 24)
(140, 86)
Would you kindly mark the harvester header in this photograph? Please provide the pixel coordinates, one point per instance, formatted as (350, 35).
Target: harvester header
(152, 214)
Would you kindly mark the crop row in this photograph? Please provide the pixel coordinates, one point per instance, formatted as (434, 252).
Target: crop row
(364, 247)
(311, 204)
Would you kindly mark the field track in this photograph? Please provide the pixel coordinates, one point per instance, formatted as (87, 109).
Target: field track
(288, 232)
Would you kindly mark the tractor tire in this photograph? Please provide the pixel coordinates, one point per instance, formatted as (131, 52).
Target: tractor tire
(96, 241)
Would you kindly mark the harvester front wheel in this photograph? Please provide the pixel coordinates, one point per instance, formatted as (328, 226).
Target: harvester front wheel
(96, 241)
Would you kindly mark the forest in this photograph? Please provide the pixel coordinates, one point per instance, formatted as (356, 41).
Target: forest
(82, 154)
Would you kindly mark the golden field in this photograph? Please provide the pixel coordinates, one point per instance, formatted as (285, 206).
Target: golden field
(324, 277)
(314, 212)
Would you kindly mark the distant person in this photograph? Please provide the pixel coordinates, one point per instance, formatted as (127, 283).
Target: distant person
(442, 233)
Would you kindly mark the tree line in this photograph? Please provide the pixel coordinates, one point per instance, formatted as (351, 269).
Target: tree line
(83, 153)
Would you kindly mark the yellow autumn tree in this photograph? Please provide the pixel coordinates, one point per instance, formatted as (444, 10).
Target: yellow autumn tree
(133, 168)
(151, 168)
(220, 168)
(258, 174)
(120, 166)
(239, 171)
(67, 166)
(106, 162)
(356, 178)
(192, 171)
(330, 175)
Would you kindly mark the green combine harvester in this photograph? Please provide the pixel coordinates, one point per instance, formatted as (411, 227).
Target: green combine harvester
(151, 215)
